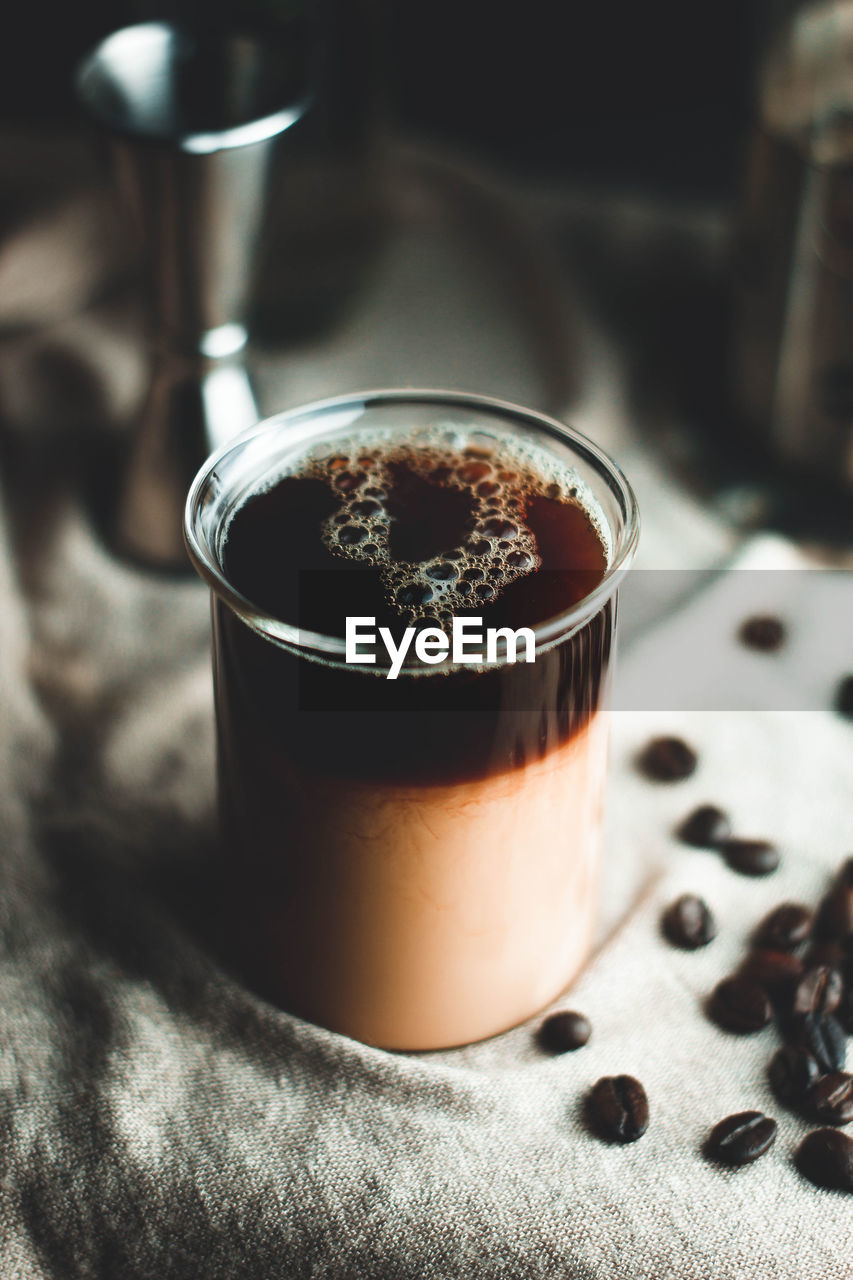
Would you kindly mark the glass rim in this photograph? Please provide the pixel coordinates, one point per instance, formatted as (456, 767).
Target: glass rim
(558, 627)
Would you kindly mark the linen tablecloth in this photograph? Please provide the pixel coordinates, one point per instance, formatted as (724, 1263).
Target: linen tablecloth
(159, 1120)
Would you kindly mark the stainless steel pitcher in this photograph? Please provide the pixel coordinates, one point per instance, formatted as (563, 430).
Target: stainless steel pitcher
(192, 122)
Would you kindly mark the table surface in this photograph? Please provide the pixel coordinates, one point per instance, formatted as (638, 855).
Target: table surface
(605, 309)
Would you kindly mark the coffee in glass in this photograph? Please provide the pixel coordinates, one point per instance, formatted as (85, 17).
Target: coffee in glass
(412, 841)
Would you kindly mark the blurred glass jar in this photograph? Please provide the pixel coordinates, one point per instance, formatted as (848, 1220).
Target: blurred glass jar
(794, 262)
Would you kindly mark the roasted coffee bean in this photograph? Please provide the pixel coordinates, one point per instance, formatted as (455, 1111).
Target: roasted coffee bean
(792, 1073)
(762, 632)
(667, 760)
(785, 928)
(844, 698)
(830, 1100)
(618, 1108)
(777, 972)
(825, 1157)
(740, 1005)
(750, 857)
(741, 1138)
(705, 828)
(688, 923)
(818, 991)
(564, 1031)
(823, 1037)
(835, 914)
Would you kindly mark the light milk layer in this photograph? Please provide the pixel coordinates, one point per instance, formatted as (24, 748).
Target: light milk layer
(424, 917)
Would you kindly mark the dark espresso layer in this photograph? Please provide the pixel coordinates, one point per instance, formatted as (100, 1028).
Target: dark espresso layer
(410, 537)
(413, 536)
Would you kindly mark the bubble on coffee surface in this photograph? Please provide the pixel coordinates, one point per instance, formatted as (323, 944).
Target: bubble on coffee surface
(498, 546)
(498, 473)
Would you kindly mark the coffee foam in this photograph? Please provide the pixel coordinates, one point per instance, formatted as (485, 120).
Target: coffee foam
(498, 473)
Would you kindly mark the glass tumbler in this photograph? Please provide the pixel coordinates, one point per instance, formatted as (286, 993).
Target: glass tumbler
(410, 861)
